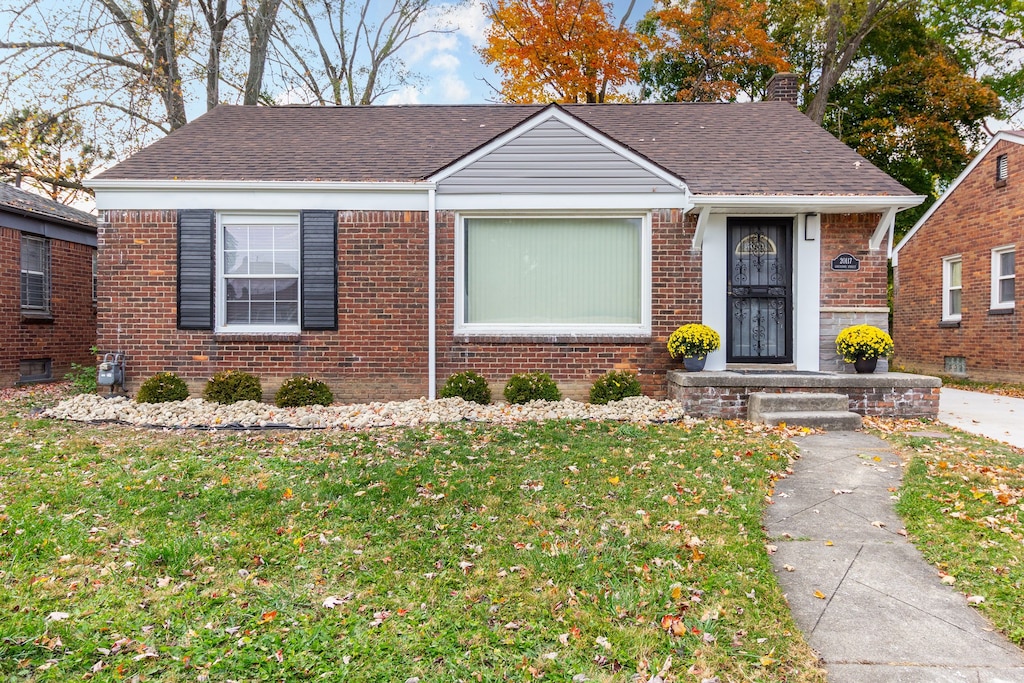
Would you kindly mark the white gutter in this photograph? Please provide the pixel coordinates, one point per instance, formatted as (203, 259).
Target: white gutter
(116, 184)
(820, 202)
(432, 293)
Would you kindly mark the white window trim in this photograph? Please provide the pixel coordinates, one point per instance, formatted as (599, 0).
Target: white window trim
(997, 278)
(226, 219)
(946, 261)
(567, 330)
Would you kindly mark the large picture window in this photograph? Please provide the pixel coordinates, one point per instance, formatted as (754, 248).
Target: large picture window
(1003, 277)
(259, 266)
(952, 288)
(553, 275)
(35, 274)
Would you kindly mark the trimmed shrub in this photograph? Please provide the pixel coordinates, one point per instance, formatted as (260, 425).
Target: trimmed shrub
(303, 391)
(468, 386)
(531, 386)
(232, 386)
(162, 387)
(614, 386)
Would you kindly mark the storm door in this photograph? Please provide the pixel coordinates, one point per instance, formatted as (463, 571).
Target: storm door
(760, 272)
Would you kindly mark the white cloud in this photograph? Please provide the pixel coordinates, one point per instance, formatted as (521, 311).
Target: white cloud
(405, 95)
(445, 62)
(453, 89)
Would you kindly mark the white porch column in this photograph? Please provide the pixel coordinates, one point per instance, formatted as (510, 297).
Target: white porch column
(714, 308)
(807, 292)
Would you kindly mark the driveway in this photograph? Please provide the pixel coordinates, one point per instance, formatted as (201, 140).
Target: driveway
(997, 417)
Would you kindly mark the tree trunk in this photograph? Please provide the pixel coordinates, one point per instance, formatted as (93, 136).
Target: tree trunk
(259, 26)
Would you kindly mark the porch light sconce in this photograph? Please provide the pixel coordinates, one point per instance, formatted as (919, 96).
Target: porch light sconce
(809, 233)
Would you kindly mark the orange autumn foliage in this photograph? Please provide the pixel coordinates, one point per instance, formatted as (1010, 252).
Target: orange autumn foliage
(558, 50)
(708, 50)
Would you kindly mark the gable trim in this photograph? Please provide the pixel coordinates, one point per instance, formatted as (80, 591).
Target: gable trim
(1008, 136)
(553, 111)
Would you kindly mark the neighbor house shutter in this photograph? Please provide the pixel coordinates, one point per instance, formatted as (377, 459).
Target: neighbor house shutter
(196, 269)
(319, 270)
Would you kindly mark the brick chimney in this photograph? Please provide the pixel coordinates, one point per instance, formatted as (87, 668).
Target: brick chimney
(784, 87)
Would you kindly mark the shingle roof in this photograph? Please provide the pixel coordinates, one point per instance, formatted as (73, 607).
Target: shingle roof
(23, 202)
(756, 148)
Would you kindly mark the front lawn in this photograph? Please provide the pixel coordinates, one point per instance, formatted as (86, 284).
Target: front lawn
(962, 500)
(465, 552)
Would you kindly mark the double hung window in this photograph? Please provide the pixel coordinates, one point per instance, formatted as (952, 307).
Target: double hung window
(35, 274)
(952, 287)
(1003, 277)
(259, 273)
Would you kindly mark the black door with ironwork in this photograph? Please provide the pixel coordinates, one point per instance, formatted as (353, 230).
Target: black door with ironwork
(760, 274)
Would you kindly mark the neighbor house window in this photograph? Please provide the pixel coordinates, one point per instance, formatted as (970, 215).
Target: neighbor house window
(554, 275)
(259, 273)
(1003, 278)
(95, 274)
(35, 274)
(952, 272)
(1002, 167)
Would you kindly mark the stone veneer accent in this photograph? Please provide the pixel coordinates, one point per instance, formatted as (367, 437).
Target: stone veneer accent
(885, 394)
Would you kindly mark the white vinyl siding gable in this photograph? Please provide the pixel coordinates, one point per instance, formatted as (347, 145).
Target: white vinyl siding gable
(553, 158)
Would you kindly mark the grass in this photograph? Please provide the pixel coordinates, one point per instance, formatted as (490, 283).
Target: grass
(962, 500)
(463, 552)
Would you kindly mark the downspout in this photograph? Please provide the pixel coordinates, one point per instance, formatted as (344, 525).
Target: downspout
(432, 293)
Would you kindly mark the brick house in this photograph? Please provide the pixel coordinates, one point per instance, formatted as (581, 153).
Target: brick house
(47, 281)
(384, 248)
(955, 272)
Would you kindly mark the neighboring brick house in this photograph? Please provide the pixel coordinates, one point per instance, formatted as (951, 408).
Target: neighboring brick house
(955, 272)
(47, 287)
(384, 248)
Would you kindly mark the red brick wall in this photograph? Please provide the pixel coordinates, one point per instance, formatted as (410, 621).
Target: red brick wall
(67, 338)
(973, 219)
(379, 350)
(849, 233)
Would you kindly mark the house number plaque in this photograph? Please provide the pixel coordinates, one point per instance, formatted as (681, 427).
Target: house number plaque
(847, 262)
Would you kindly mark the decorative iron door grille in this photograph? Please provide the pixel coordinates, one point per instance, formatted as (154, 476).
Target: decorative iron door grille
(759, 291)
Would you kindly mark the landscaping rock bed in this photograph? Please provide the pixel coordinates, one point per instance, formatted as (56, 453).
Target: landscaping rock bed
(197, 413)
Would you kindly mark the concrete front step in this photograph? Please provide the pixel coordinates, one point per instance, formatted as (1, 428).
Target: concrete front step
(793, 401)
(803, 409)
(829, 420)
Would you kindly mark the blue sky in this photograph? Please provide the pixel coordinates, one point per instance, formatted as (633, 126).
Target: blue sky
(451, 70)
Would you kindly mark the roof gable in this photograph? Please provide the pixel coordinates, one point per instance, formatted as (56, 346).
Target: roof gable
(554, 152)
(1014, 136)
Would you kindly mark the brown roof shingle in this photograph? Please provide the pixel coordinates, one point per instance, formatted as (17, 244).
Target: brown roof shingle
(26, 203)
(760, 148)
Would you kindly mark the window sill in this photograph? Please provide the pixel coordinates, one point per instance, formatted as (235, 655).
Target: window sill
(1000, 183)
(258, 337)
(1001, 311)
(464, 338)
(37, 317)
(952, 324)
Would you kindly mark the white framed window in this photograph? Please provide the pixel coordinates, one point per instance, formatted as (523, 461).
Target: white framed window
(553, 274)
(258, 272)
(1003, 276)
(35, 274)
(952, 287)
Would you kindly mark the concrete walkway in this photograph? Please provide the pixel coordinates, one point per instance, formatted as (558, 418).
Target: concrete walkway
(869, 604)
(997, 417)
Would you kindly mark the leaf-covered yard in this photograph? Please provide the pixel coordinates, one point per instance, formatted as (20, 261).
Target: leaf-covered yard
(561, 551)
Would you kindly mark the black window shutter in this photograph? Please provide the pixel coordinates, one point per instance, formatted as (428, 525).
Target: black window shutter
(196, 269)
(319, 270)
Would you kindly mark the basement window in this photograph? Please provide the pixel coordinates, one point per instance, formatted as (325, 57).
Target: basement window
(35, 370)
(956, 365)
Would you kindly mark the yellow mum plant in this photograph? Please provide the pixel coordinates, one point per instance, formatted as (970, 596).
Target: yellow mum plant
(863, 342)
(693, 341)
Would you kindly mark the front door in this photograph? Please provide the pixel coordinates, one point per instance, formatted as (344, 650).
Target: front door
(760, 273)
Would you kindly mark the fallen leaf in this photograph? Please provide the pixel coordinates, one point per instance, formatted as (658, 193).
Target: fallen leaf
(829, 543)
(603, 642)
(819, 595)
(878, 524)
(975, 599)
(789, 567)
(268, 616)
(57, 616)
